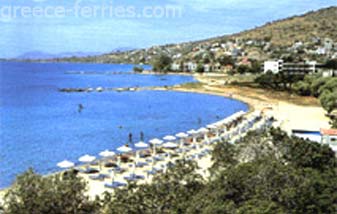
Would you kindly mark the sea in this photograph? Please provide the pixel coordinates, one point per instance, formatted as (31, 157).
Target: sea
(41, 126)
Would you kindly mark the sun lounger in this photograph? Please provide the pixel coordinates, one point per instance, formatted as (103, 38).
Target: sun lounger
(99, 177)
(115, 185)
(134, 177)
(141, 164)
(89, 171)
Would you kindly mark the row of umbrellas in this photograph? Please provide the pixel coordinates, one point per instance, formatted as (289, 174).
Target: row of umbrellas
(155, 142)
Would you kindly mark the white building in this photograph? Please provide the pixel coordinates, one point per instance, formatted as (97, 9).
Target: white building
(273, 66)
(175, 67)
(329, 137)
(190, 66)
(298, 68)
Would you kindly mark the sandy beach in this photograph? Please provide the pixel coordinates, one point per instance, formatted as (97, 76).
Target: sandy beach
(291, 111)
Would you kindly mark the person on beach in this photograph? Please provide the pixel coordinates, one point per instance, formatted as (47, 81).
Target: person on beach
(141, 136)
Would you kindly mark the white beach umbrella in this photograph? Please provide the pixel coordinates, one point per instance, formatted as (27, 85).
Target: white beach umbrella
(65, 164)
(193, 133)
(155, 142)
(204, 131)
(170, 145)
(182, 135)
(141, 145)
(107, 153)
(169, 138)
(124, 149)
(87, 159)
(212, 126)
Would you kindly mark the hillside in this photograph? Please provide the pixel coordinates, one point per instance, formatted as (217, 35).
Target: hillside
(319, 24)
(306, 36)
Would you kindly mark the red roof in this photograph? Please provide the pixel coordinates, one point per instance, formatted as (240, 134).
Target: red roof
(329, 131)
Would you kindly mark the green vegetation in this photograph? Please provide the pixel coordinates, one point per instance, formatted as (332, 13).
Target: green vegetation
(267, 172)
(192, 85)
(331, 64)
(138, 69)
(162, 63)
(272, 40)
(200, 68)
(56, 194)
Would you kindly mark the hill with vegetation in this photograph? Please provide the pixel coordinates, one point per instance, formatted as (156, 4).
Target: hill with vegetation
(305, 35)
(319, 24)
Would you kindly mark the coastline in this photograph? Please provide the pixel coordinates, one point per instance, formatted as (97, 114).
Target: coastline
(288, 113)
(291, 111)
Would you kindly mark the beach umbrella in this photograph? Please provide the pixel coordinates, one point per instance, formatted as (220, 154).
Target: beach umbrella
(169, 138)
(65, 164)
(124, 149)
(182, 136)
(212, 126)
(215, 128)
(193, 133)
(170, 145)
(140, 145)
(204, 131)
(107, 154)
(87, 158)
(155, 142)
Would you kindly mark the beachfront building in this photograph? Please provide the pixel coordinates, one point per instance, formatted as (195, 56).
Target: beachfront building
(190, 66)
(212, 68)
(279, 66)
(329, 136)
(176, 67)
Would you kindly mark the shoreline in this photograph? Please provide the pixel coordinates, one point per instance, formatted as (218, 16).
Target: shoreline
(292, 111)
(287, 113)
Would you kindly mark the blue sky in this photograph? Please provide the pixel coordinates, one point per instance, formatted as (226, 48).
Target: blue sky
(199, 19)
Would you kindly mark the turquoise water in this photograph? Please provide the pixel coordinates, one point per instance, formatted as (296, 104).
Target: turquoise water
(41, 126)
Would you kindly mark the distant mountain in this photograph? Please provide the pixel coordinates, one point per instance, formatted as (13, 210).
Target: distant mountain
(39, 55)
(271, 40)
(33, 55)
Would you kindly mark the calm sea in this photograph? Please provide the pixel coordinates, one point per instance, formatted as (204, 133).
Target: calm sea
(40, 126)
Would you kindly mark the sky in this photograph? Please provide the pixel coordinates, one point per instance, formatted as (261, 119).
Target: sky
(58, 26)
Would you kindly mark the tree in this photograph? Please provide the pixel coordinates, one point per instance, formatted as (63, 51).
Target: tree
(226, 60)
(138, 69)
(242, 69)
(200, 68)
(329, 100)
(331, 64)
(168, 193)
(56, 194)
(162, 63)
